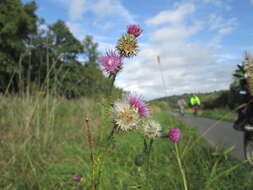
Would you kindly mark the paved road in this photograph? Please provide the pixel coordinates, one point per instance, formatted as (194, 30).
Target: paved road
(220, 133)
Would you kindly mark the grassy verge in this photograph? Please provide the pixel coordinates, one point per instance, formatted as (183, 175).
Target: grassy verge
(43, 144)
(223, 114)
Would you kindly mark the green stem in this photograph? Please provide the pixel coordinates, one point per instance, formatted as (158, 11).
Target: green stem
(110, 137)
(181, 167)
(150, 144)
(145, 150)
(149, 151)
(112, 77)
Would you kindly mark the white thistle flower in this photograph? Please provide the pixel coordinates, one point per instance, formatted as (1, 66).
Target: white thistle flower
(125, 116)
(152, 129)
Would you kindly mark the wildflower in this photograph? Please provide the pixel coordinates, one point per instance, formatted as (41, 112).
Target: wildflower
(174, 135)
(134, 29)
(78, 178)
(127, 45)
(152, 129)
(111, 62)
(125, 116)
(138, 103)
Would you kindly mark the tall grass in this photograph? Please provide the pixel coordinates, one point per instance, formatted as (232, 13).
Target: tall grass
(44, 143)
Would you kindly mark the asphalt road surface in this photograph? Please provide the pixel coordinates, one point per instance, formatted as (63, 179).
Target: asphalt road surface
(219, 133)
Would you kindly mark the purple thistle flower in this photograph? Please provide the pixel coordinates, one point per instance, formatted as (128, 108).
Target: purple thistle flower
(111, 62)
(138, 103)
(78, 178)
(134, 29)
(174, 135)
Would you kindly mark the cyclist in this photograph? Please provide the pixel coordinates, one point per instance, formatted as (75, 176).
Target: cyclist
(195, 103)
(181, 103)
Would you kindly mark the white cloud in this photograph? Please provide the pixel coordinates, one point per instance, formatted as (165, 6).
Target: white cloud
(217, 22)
(176, 33)
(226, 30)
(172, 16)
(185, 68)
(222, 26)
(76, 9)
(106, 8)
(101, 8)
(103, 46)
(251, 1)
(224, 4)
(77, 29)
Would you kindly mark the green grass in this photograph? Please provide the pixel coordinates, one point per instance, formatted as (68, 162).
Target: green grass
(43, 143)
(223, 114)
(218, 114)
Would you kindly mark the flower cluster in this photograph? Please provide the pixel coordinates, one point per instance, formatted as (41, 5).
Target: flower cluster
(128, 112)
(127, 46)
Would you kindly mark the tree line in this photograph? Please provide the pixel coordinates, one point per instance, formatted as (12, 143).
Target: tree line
(40, 57)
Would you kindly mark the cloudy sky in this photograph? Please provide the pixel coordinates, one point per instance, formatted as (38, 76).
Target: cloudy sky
(199, 41)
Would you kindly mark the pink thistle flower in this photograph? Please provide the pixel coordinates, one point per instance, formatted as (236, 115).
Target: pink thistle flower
(174, 135)
(134, 29)
(138, 103)
(111, 62)
(78, 178)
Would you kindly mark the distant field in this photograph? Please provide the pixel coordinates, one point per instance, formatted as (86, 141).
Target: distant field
(43, 145)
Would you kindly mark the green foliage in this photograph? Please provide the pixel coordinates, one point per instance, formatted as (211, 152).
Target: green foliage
(63, 45)
(90, 49)
(239, 72)
(34, 55)
(17, 24)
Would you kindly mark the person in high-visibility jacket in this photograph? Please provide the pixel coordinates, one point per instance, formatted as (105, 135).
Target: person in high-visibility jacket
(195, 100)
(195, 103)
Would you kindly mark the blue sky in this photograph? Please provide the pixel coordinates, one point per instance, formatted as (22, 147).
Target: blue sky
(199, 41)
